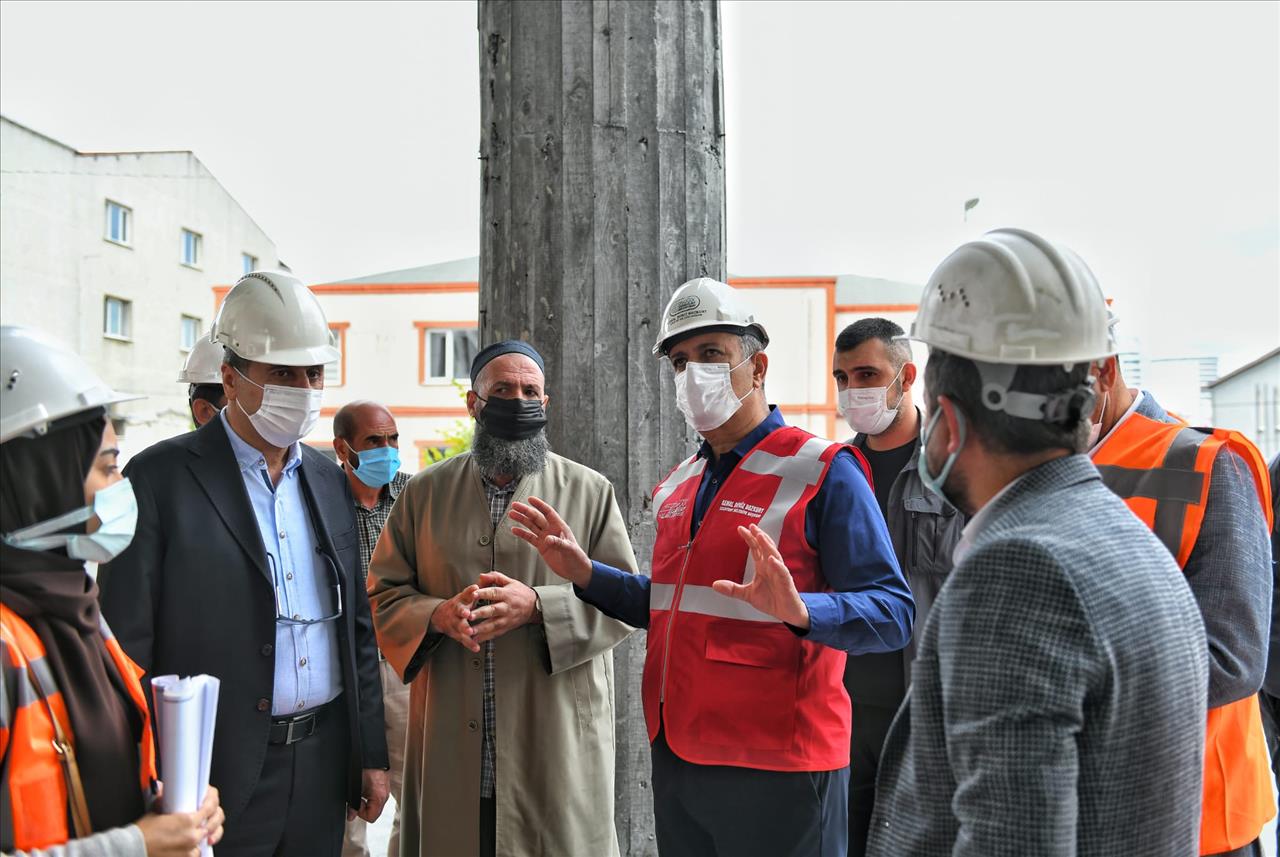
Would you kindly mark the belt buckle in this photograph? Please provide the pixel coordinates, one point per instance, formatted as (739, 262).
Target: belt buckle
(301, 722)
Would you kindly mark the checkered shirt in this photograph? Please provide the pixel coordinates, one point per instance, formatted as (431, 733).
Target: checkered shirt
(499, 500)
(371, 521)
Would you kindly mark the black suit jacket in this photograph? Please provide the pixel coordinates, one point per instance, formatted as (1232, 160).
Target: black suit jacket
(193, 594)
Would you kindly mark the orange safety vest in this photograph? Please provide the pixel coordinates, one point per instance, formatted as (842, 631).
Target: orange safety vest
(1162, 472)
(38, 793)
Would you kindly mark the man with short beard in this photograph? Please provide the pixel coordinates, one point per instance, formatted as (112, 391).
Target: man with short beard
(1057, 700)
(510, 743)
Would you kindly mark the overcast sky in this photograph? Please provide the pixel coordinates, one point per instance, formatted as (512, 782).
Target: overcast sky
(1144, 135)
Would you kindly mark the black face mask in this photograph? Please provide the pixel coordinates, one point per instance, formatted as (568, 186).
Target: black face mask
(512, 419)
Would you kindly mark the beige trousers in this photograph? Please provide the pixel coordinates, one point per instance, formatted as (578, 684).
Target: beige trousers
(395, 703)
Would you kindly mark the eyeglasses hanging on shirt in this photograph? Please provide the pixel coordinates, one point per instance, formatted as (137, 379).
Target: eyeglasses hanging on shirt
(284, 619)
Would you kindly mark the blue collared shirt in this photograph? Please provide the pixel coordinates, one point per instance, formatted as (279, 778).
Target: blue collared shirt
(307, 671)
(870, 609)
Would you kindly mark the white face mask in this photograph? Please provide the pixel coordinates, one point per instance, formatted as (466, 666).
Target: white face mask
(866, 409)
(116, 508)
(287, 414)
(704, 394)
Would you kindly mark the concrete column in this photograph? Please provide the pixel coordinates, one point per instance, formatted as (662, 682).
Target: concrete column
(602, 142)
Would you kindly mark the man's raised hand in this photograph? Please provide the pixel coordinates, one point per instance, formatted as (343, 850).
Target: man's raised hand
(772, 590)
(554, 541)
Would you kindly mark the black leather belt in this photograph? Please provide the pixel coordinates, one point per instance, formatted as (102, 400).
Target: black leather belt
(299, 727)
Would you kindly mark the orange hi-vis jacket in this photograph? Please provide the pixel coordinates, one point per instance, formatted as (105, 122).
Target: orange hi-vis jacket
(34, 777)
(1162, 472)
(730, 685)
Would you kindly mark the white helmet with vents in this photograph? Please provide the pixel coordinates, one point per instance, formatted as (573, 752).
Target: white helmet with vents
(1012, 299)
(271, 317)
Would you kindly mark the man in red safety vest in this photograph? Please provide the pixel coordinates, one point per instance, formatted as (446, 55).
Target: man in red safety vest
(771, 561)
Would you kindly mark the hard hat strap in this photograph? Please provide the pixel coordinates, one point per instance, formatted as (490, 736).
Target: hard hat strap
(1063, 408)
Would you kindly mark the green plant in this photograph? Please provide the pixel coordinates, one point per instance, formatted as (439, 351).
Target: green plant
(456, 439)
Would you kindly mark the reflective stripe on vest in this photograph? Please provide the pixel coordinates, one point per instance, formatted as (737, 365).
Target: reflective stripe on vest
(731, 685)
(35, 786)
(1162, 472)
(797, 473)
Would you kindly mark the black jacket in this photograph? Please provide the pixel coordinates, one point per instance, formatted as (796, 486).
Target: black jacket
(193, 594)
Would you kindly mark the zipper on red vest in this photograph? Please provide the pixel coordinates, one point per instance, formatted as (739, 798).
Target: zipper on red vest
(671, 621)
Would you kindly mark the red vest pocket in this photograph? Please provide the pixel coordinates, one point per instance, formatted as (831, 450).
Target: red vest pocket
(750, 680)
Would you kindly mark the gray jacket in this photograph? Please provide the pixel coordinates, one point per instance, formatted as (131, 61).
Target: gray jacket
(1271, 684)
(1058, 700)
(1229, 571)
(924, 529)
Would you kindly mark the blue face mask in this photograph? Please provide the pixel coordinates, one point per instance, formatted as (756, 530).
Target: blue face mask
(116, 509)
(931, 482)
(378, 466)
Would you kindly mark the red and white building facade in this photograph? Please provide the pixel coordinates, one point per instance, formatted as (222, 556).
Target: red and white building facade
(407, 338)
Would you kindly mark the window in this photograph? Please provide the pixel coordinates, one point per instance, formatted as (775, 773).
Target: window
(190, 332)
(248, 263)
(191, 248)
(446, 350)
(119, 223)
(115, 317)
(335, 373)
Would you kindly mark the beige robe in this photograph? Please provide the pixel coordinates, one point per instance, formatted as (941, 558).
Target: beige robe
(554, 693)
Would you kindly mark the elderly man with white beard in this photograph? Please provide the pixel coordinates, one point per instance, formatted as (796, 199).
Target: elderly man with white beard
(510, 745)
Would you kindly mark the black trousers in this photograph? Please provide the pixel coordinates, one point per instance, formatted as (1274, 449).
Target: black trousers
(488, 826)
(299, 807)
(721, 811)
(1270, 706)
(870, 727)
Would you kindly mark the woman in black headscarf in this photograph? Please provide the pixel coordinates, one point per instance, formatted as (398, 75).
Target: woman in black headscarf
(62, 502)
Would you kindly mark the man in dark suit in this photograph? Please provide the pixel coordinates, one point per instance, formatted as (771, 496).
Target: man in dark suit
(1058, 697)
(245, 566)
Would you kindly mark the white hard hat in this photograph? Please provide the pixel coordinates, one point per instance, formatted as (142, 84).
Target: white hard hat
(41, 380)
(203, 364)
(271, 317)
(706, 303)
(1011, 297)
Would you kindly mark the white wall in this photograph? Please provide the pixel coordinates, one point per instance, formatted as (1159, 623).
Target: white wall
(1177, 386)
(382, 362)
(1250, 404)
(56, 266)
(382, 357)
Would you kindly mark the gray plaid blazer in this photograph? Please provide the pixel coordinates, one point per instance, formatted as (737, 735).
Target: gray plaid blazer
(1058, 698)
